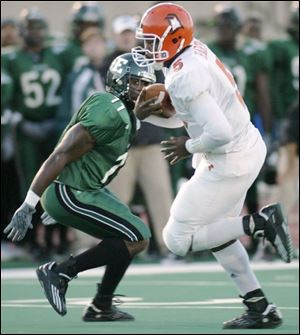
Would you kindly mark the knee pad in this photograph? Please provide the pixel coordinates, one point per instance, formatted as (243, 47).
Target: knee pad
(177, 242)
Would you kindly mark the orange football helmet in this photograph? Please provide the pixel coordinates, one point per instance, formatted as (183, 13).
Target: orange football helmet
(166, 29)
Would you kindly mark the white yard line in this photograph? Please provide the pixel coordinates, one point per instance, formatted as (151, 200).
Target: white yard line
(137, 302)
(150, 269)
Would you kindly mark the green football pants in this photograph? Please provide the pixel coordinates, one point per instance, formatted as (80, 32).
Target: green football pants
(98, 213)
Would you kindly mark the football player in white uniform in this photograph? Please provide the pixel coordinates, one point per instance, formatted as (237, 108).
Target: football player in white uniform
(228, 153)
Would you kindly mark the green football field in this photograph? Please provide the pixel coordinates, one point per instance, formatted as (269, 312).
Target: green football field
(180, 299)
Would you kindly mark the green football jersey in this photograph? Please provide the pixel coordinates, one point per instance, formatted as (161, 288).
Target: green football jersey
(256, 54)
(235, 61)
(37, 81)
(244, 64)
(113, 128)
(285, 74)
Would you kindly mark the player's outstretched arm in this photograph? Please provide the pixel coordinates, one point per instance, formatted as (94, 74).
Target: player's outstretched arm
(76, 142)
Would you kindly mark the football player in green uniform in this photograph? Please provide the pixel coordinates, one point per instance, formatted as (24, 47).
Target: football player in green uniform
(36, 73)
(71, 187)
(88, 79)
(9, 174)
(250, 67)
(285, 71)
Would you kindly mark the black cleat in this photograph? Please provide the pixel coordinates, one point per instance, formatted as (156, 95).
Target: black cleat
(276, 231)
(55, 287)
(92, 314)
(270, 318)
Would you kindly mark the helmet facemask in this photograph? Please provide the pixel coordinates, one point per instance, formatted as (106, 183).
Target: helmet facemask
(151, 54)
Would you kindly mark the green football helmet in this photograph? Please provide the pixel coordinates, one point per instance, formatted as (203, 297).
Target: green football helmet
(227, 15)
(121, 71)
(85, 14)
(33, 26)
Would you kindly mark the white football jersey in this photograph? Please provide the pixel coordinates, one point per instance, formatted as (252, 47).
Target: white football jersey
(198, 70)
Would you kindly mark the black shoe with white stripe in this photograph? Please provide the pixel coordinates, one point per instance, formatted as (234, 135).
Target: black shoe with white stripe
(276, 231)
(55, 286)
(92, 314)
(251, 319)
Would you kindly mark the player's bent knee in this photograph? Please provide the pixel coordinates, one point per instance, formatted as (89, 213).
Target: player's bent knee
(177, 244)
(136, 247)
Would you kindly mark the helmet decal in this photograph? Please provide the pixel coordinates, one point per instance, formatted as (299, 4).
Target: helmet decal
(165, 30)
(174, 22)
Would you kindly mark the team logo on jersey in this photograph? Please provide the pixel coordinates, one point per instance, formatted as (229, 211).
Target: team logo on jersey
(174, 23)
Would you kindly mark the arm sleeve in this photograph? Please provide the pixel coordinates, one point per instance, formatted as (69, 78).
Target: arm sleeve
(100, 122)
(216, 129)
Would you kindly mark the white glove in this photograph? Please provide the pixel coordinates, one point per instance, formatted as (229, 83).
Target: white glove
(47, 219)
(20, 223)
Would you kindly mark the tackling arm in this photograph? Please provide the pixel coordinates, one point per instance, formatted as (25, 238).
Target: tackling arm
(76, 142)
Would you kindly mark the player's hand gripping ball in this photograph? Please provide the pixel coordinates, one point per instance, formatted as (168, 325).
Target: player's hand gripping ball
(159, 92)
(154, 100)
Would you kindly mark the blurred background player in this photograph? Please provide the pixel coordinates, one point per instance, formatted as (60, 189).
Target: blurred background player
(10, 38)
(284, 54)
(36, 73)
(123, 28)
(10, 188)
(85, 14)
(249, 66)
(284, 76)
(288, 164)
(87, 79)
(9, 33)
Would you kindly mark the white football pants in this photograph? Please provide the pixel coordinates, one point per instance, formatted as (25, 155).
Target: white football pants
(205, 212)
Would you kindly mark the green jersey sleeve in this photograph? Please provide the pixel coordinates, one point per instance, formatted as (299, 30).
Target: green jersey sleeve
(106, 118)
(99, 118)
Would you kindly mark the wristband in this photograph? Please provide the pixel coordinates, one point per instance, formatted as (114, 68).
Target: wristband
(32, 199)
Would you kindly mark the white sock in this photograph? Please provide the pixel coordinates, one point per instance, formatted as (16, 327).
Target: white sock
(218, 233)
(234, 259)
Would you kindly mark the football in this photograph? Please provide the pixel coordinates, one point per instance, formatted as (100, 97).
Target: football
(159, 91)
